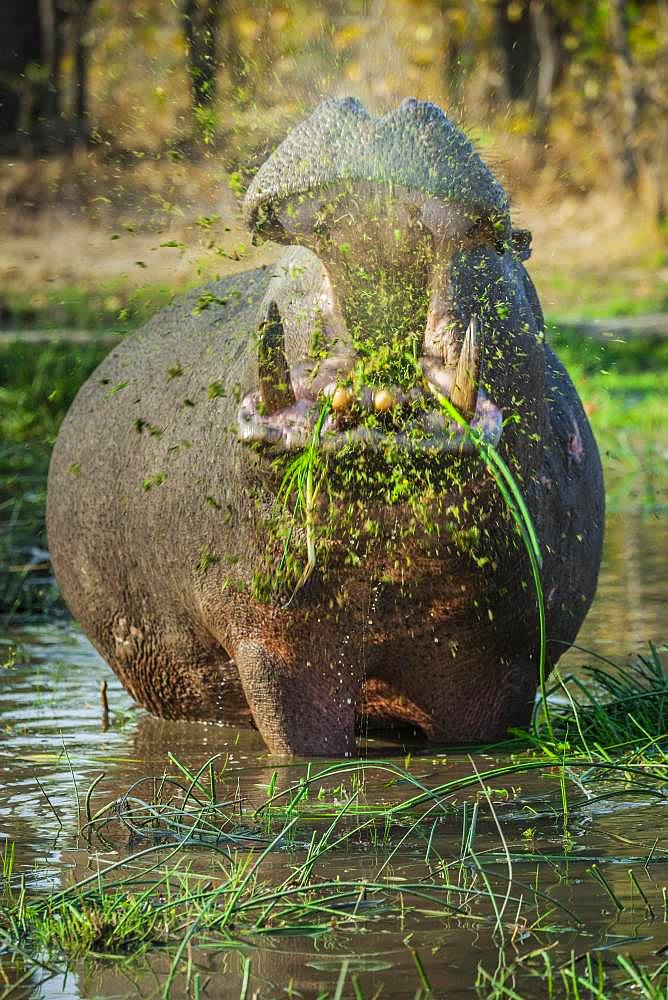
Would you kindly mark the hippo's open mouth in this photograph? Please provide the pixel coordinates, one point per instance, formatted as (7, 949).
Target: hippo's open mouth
(286, 409)
(390, 206)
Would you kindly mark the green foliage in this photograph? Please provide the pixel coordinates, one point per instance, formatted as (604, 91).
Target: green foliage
(585, 977)
(37, 384)
(268, 60)
(296, 497)
(111, 306)
(207, 121)
(110, 923)
(639, 356)
(622, 386)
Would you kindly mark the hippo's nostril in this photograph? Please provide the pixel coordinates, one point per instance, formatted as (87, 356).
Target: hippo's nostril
(276, 390)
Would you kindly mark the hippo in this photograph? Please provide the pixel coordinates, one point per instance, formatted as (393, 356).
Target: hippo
(273, 505)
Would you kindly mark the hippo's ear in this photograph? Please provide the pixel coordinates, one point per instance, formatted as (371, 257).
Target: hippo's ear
(521, 242)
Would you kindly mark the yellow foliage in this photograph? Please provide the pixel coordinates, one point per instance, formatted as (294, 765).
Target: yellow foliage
(348, 35)
(424, 32)
(247, 27)
(515, 10)
(278, 19)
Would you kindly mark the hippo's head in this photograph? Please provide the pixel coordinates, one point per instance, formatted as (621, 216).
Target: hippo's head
(422, 294)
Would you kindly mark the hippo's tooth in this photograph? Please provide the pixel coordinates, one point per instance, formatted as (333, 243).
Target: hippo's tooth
(383, 400)
(276, 390)
(464, 393)
(342, 398)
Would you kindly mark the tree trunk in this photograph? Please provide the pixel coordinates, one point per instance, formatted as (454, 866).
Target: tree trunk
(200, 25)
(629, 107)
(52, 50)
(31, 84)
(80, 80)
(550, 60)
(20, 60)
(520, 52)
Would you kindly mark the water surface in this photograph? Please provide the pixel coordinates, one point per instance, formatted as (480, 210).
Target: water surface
(53, 744)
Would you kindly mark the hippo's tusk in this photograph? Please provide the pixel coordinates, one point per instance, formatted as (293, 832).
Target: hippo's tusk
(276, 390)
(464, 393)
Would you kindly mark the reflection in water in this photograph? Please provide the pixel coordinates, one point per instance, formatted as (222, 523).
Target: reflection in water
(51, 736)
(630, 606)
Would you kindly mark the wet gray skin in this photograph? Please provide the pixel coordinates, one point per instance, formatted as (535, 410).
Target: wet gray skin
(170, 539)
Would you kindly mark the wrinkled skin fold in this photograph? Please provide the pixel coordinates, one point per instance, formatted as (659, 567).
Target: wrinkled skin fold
(294, 532)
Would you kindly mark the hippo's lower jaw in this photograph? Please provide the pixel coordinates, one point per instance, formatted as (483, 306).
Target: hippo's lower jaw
(288, 407)
(292, 427)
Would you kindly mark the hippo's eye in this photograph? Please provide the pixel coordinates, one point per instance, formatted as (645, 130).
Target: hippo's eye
(483, 233)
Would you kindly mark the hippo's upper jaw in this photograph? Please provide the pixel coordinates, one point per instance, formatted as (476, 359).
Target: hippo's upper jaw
(394, 208)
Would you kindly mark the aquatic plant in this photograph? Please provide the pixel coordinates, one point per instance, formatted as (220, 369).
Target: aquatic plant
(582, 977)
(612, 709)
(204, 871)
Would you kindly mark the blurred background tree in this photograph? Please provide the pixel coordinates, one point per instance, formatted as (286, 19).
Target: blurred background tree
(234, 74)
(43, 72)
(572, 93)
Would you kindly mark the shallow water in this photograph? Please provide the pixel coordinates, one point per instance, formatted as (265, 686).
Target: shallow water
(51, 740)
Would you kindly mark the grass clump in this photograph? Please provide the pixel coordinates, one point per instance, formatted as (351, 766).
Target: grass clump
(583, 977)
(614, 709)
(113, 922)
(302, 481)
(322, 855)
(210, 870)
